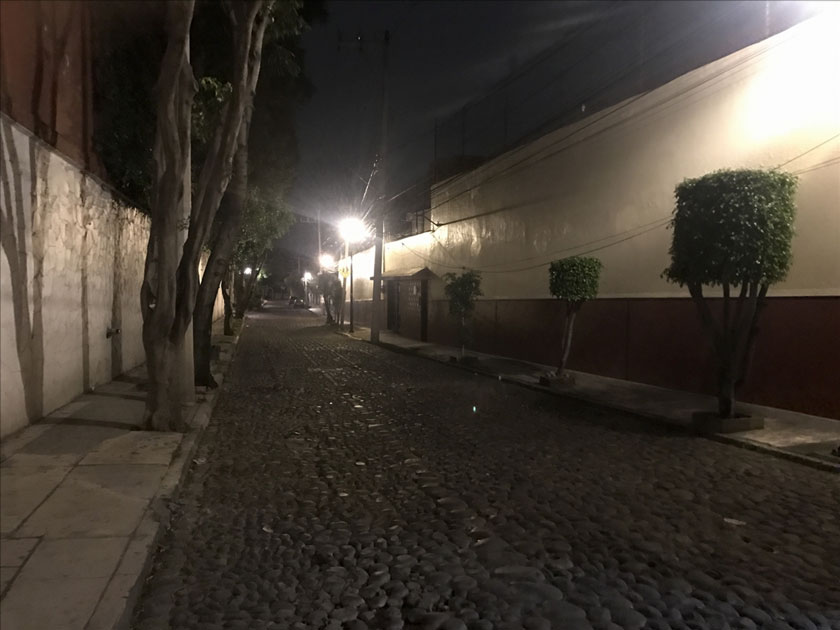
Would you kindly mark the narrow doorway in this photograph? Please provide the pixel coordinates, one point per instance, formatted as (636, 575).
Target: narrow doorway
(393, 299)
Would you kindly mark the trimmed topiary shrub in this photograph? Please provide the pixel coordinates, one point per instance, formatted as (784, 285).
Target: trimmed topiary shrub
(462, 292)
(573, 280)
(732, 229)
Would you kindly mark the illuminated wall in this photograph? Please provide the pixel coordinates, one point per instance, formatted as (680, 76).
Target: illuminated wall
(604, 187)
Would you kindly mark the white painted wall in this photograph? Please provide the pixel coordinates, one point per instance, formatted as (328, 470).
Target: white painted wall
(86, 251)
(605, 185)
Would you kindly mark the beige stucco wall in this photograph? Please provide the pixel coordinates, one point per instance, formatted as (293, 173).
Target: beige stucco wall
(84, 253)
(604, 186)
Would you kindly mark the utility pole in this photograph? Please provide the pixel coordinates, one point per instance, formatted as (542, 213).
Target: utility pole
(380, 218)
(320, 253)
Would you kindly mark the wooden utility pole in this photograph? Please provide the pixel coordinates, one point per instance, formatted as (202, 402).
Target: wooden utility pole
(380, 216)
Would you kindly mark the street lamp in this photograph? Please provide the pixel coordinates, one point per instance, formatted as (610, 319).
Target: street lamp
(327, 261)
(351, 230)
(247, 271)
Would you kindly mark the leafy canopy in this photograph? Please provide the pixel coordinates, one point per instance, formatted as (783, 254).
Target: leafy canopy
(262, 224)
(462, 292)
(575, 278)
(733, 227)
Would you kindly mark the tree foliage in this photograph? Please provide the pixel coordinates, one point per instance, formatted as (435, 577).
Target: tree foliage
(733, 226)
(732, 229)
(125, 70)
(462, 291)
(574, 279)
(262, 223)
(329, 287)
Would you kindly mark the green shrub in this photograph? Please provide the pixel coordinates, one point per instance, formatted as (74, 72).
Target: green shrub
(462, 292)
(732, 229)
(573, 280)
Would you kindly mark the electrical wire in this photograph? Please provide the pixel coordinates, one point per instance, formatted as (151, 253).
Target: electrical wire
(659, 224)
(814, 148)
(653, 225)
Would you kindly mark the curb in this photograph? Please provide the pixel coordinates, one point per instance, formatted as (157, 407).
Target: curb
(157, 515)
(722, 438)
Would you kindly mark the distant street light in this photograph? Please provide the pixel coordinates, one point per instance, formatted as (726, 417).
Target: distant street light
(247, 271)
(327, 261)
(351, 230)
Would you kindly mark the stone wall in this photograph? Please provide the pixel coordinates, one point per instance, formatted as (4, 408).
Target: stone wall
(72, 266)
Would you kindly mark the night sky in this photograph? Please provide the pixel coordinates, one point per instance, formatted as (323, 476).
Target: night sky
(520, 68)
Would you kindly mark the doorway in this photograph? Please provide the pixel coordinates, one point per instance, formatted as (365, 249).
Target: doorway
(393, 305)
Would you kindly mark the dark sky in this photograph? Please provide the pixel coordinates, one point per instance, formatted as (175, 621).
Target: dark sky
(521, 69)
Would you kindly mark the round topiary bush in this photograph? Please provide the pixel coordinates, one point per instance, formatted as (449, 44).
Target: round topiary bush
(573, 280)
(732, 229)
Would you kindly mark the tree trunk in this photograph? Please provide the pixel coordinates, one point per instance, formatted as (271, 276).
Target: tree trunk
(228, 307)
(216, 171)
(726, 389)
(231, 213)
(248, 288)
(752, 333)
(568, 331)
(327, 307)
(170, 283)
(238, 295)
(171, 154)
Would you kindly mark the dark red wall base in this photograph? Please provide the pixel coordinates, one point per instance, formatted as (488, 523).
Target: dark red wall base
(659, 341)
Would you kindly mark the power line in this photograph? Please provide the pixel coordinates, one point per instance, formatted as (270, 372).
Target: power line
(659, 224)
(653, 225)
(819, 165)
(814, 148)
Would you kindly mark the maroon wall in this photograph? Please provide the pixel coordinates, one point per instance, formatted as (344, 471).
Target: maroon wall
(660, 341)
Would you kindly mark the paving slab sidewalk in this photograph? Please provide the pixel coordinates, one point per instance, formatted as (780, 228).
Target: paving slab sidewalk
(83, 498)
(798, 436)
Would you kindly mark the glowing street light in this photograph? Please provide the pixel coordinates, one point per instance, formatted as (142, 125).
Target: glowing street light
(327, 261)
(247, 271)
(352, 230)
(307, 276)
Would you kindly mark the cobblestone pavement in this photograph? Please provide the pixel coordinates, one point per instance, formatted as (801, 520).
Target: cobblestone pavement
(340, 485)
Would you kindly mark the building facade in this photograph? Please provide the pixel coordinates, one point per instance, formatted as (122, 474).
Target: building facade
(604, 187)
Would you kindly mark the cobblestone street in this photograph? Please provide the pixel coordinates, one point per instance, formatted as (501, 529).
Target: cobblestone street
(340, 485)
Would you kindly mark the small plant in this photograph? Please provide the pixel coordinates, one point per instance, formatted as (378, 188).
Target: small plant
(732, 229)
(573, 280)
(462, 292)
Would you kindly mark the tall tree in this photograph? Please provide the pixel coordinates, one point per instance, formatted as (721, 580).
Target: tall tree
(170, 282)
(246, 223)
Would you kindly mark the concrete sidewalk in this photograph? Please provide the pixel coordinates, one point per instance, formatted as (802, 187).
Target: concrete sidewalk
(798, 436)
(83, 498)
